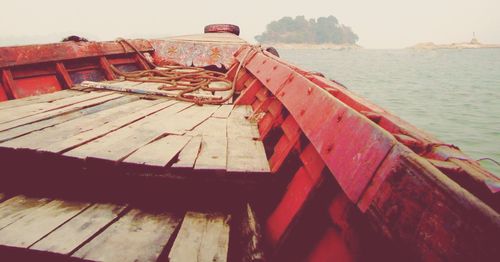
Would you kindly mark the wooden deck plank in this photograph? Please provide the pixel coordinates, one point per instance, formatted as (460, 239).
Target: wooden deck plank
(32, 109)
(35, 225)
(39, 99)
(213, 153)
(241, 111)
(187, 156)
(112, 147)
(54, 129)
(160, 152)
(185, 120)
(17, 207)
(137, 236)
(239, 125)
(82, 138)
(223, 111)
(251, 237)
(201, 238)
(124, 84)
(72, 234)
(56, 112)
(240, 160)
(210, 127)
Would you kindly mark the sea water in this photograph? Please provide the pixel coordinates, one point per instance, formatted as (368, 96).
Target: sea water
(451, 94)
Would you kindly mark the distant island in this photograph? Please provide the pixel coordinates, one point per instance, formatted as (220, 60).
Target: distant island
(472, 44)
(299, 33)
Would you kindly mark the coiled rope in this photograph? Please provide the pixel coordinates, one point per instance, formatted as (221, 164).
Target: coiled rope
(187, 80)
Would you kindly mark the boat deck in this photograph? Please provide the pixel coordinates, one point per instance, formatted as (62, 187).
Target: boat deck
(42, 228)
(102, 168)
(96, 132)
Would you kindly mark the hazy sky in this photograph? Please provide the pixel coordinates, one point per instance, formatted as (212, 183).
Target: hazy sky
(379, 24)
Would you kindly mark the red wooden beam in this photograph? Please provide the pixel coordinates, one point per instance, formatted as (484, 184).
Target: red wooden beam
(106, 67)
(142, 64)
(8, 83)
(63, 73)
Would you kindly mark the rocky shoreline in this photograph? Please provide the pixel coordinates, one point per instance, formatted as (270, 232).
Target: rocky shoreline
(315, 46)
(473, 44)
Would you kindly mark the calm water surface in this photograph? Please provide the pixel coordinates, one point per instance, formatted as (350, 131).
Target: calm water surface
(452, 94)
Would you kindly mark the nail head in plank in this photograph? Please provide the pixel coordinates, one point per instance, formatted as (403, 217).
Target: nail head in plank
(159, 152)
(33, 226)
(137, 236)
(201, 238)
(80, 228)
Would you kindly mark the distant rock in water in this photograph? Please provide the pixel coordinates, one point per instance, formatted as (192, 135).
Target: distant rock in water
(473, 44)
(321, 33)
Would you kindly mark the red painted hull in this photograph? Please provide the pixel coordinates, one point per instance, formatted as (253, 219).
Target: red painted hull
(353, 181)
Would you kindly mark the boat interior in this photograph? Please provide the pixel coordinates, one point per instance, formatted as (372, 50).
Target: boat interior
(206, 148)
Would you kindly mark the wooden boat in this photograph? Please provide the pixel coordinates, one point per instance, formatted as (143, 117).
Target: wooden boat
(100, 164)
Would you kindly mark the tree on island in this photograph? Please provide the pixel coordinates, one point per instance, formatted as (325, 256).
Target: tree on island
(313, 31)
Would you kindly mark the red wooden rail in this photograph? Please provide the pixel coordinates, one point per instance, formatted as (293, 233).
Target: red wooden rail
(38, 69)
(369, 152)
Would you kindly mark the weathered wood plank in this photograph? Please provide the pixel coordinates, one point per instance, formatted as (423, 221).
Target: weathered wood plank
(112, 147)
(17, 207)
(210, 127)
(80, 228)
(241, 111)
(246, 155)
(39, 99)
(213, 153)
(56, 112)
(187, 156)
(137, 236)
(124, 84)
(32, 109)
(83, 138)
(251, 237)
(201, 238)
(223, 112)
(186, 120)
(34, 225)
(239, 124)
(159, 152)
(56, 128)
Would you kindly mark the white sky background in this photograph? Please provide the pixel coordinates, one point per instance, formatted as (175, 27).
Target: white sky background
(379, 24)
